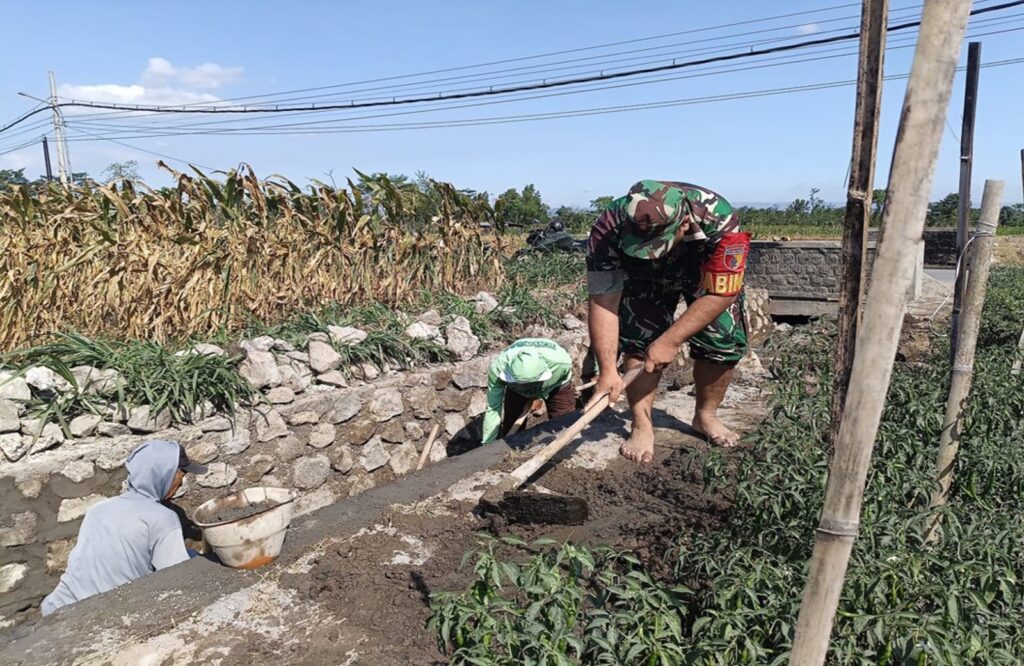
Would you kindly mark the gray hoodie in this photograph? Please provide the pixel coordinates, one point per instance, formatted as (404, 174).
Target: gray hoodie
(128, 536)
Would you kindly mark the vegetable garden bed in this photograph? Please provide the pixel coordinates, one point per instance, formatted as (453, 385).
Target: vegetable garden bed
(733, 592)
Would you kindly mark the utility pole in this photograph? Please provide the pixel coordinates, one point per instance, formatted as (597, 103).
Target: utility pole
(964, 207)
(63, 167)
(874, 17)
(46, 159)
(913, 165)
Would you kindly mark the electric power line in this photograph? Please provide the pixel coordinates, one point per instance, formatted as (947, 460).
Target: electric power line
(206, 129)
(614, 58)
(144, 150)
(492, 92)
(15, 149)
(554, 53)
(496, 120)
(484, 75)
(579, 49)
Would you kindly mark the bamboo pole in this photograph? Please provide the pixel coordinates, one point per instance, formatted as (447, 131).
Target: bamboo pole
(963, 211)
(963, 359)
(1015, 370)
(874, 17)
(913, 167)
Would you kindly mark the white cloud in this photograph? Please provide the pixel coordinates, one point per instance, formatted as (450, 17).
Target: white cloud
(134, 94)
(808, 28)
(160, 83)
(207, 76)
(23, 159)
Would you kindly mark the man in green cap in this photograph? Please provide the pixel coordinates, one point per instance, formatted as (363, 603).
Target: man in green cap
(664, 241)
(530, 369)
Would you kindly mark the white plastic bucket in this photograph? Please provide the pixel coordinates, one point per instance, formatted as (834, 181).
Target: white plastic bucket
(252, 541)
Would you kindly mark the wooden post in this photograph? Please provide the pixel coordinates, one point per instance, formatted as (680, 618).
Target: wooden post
(874, 16)
(913, 168)
(963, 359)
(963, 213)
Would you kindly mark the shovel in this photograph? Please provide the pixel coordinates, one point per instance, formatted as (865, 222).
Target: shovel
(526, 507)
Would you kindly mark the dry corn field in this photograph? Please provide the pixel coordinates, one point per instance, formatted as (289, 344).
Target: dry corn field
(209, 255)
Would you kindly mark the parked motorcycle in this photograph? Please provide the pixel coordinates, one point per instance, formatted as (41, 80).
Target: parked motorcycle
(552, 238)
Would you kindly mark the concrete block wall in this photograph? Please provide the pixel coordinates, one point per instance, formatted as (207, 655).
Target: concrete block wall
(796, 269)
(808, 270)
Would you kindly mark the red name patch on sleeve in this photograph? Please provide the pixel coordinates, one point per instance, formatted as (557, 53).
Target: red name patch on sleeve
(722, 272)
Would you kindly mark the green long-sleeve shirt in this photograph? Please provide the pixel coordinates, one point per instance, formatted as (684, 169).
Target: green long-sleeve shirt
(554, 358)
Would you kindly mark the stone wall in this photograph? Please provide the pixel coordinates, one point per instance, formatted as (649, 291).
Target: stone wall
(322, 433)
(326, 442)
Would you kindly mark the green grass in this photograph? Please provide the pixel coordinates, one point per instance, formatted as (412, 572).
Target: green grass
(794, 231)
(829, 231)
(546, 269)
(152, 374)
(520, 306)
(957, 602)
(386, 342)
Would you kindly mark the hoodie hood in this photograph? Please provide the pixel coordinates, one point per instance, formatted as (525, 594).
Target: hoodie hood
(151, 468)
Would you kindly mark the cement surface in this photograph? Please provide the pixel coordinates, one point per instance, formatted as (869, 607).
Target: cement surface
(84, 632)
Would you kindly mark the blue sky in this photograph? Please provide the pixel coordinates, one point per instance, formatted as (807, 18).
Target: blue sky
(763, 149)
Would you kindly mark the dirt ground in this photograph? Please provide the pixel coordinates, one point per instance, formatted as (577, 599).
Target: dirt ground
(639, 508)
(1009, 251)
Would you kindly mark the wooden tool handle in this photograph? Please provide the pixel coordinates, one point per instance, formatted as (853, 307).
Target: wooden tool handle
(521, 421)
(519, 475)
(428, 446)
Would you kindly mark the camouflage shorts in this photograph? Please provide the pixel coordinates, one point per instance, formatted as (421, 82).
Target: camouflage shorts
(648, 309)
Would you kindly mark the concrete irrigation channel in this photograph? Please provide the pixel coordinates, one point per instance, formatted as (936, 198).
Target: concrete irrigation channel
(353, 581)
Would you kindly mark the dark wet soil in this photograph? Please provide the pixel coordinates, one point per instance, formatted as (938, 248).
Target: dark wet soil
(227, 514)
(382, 582)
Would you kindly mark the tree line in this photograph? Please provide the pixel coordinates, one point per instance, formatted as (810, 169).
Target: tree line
(516, 209)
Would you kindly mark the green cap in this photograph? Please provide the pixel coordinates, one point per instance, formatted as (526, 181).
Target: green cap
(654, 213)
(526, 368)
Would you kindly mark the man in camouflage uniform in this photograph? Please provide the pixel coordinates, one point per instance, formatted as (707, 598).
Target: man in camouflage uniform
(661, 242)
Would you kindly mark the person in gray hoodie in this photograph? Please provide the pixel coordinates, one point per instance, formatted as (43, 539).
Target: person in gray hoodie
(131, 535)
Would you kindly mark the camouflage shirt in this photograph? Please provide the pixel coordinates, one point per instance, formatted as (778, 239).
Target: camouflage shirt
(707, 219)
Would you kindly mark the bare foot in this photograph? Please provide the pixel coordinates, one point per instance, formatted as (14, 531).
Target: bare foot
(640, 446)
(714, 430)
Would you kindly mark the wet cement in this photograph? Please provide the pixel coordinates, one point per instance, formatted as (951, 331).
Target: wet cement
(232, 513)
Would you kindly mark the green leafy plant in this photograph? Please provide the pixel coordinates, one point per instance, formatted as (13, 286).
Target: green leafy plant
(181, 384)
(735, 591)
(564, 605)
